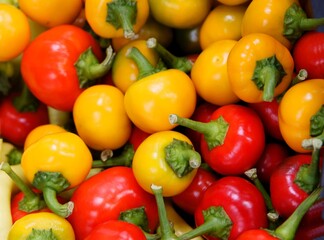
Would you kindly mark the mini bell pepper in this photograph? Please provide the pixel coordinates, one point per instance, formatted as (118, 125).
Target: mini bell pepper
(259, 68)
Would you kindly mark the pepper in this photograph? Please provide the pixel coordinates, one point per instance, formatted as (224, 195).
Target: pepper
(284, 20)
(259, 68)
(297, 113)
(119, 18)
(42, 225)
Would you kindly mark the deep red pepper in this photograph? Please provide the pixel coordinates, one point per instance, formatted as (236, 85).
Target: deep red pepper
(105, 195)
(233, 140)
(189, 199)
(274, 153)
(293, 180)
(18, 116)
(116, 229)
(242, 202)
(137, 136)
(268, 112)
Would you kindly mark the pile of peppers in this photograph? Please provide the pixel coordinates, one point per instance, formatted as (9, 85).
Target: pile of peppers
(161, 120)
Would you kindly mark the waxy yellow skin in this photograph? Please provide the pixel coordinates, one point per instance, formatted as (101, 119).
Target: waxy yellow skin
(267, 16)
(242, 62)
(15, 33)
(150, 167)
(150, 100)
(100, 117)
(23, 227)
(63, 152)
(296, 108)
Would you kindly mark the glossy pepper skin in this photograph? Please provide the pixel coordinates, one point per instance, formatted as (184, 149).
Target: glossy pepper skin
(48, 64)
(104, 196)
(240, 199)
(259, 68)
(42, 225)
(296, 108)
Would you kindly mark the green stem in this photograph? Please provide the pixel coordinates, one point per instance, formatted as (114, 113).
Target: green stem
(124, 159)
(14, 156)
(136, 216)
(63, 210)
(296, 23)
(145, 68)
(181, 157)
(214, 131)
(52, 183)
(301, 76)
(217, 224)
(89, 69)
(26, 101)
(273, 216)
(7, 71)
(123, 14)
(167, 232)
(288, 228)
(172, 61)
(308, 175)
(31, 200)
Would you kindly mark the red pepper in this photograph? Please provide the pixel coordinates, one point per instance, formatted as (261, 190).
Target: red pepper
(268, 112)
(242, 202)
(293, 180)
(189, 199)
(233, 140)
(60, 62)
(274, 153)
(20, 113)
(105, 195)
(116, 229)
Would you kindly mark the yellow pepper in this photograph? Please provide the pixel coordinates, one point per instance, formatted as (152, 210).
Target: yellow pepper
(116, 18)
(259, 68)
(150, 100)
(223, 22)
(179, 13)
(285, 20)
(50, 163)
(296, 109)
(42, 225)
(124, 70)
(209, 73)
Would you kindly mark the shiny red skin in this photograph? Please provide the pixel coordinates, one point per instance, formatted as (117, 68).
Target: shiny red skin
(268, 112)
(274, 153)
(308, 54)
(202, 113)
(243, 144)
(15, 125)
(285, 194)
(241, 200)
(103, 196)
(257, 234)
(189, 199)
(47, 64)
(117, 230)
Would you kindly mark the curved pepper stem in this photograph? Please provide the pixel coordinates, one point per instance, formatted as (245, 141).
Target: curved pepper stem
(122, 14)
(288, 228)
(268, 73)
(308, 175)
(181, 63)
(51, 183)
(296, 23)
(145, 68)
(214, 131)
(31, 201)
(181, 157)
(89, 69)
(273, 215)
(124, 159)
